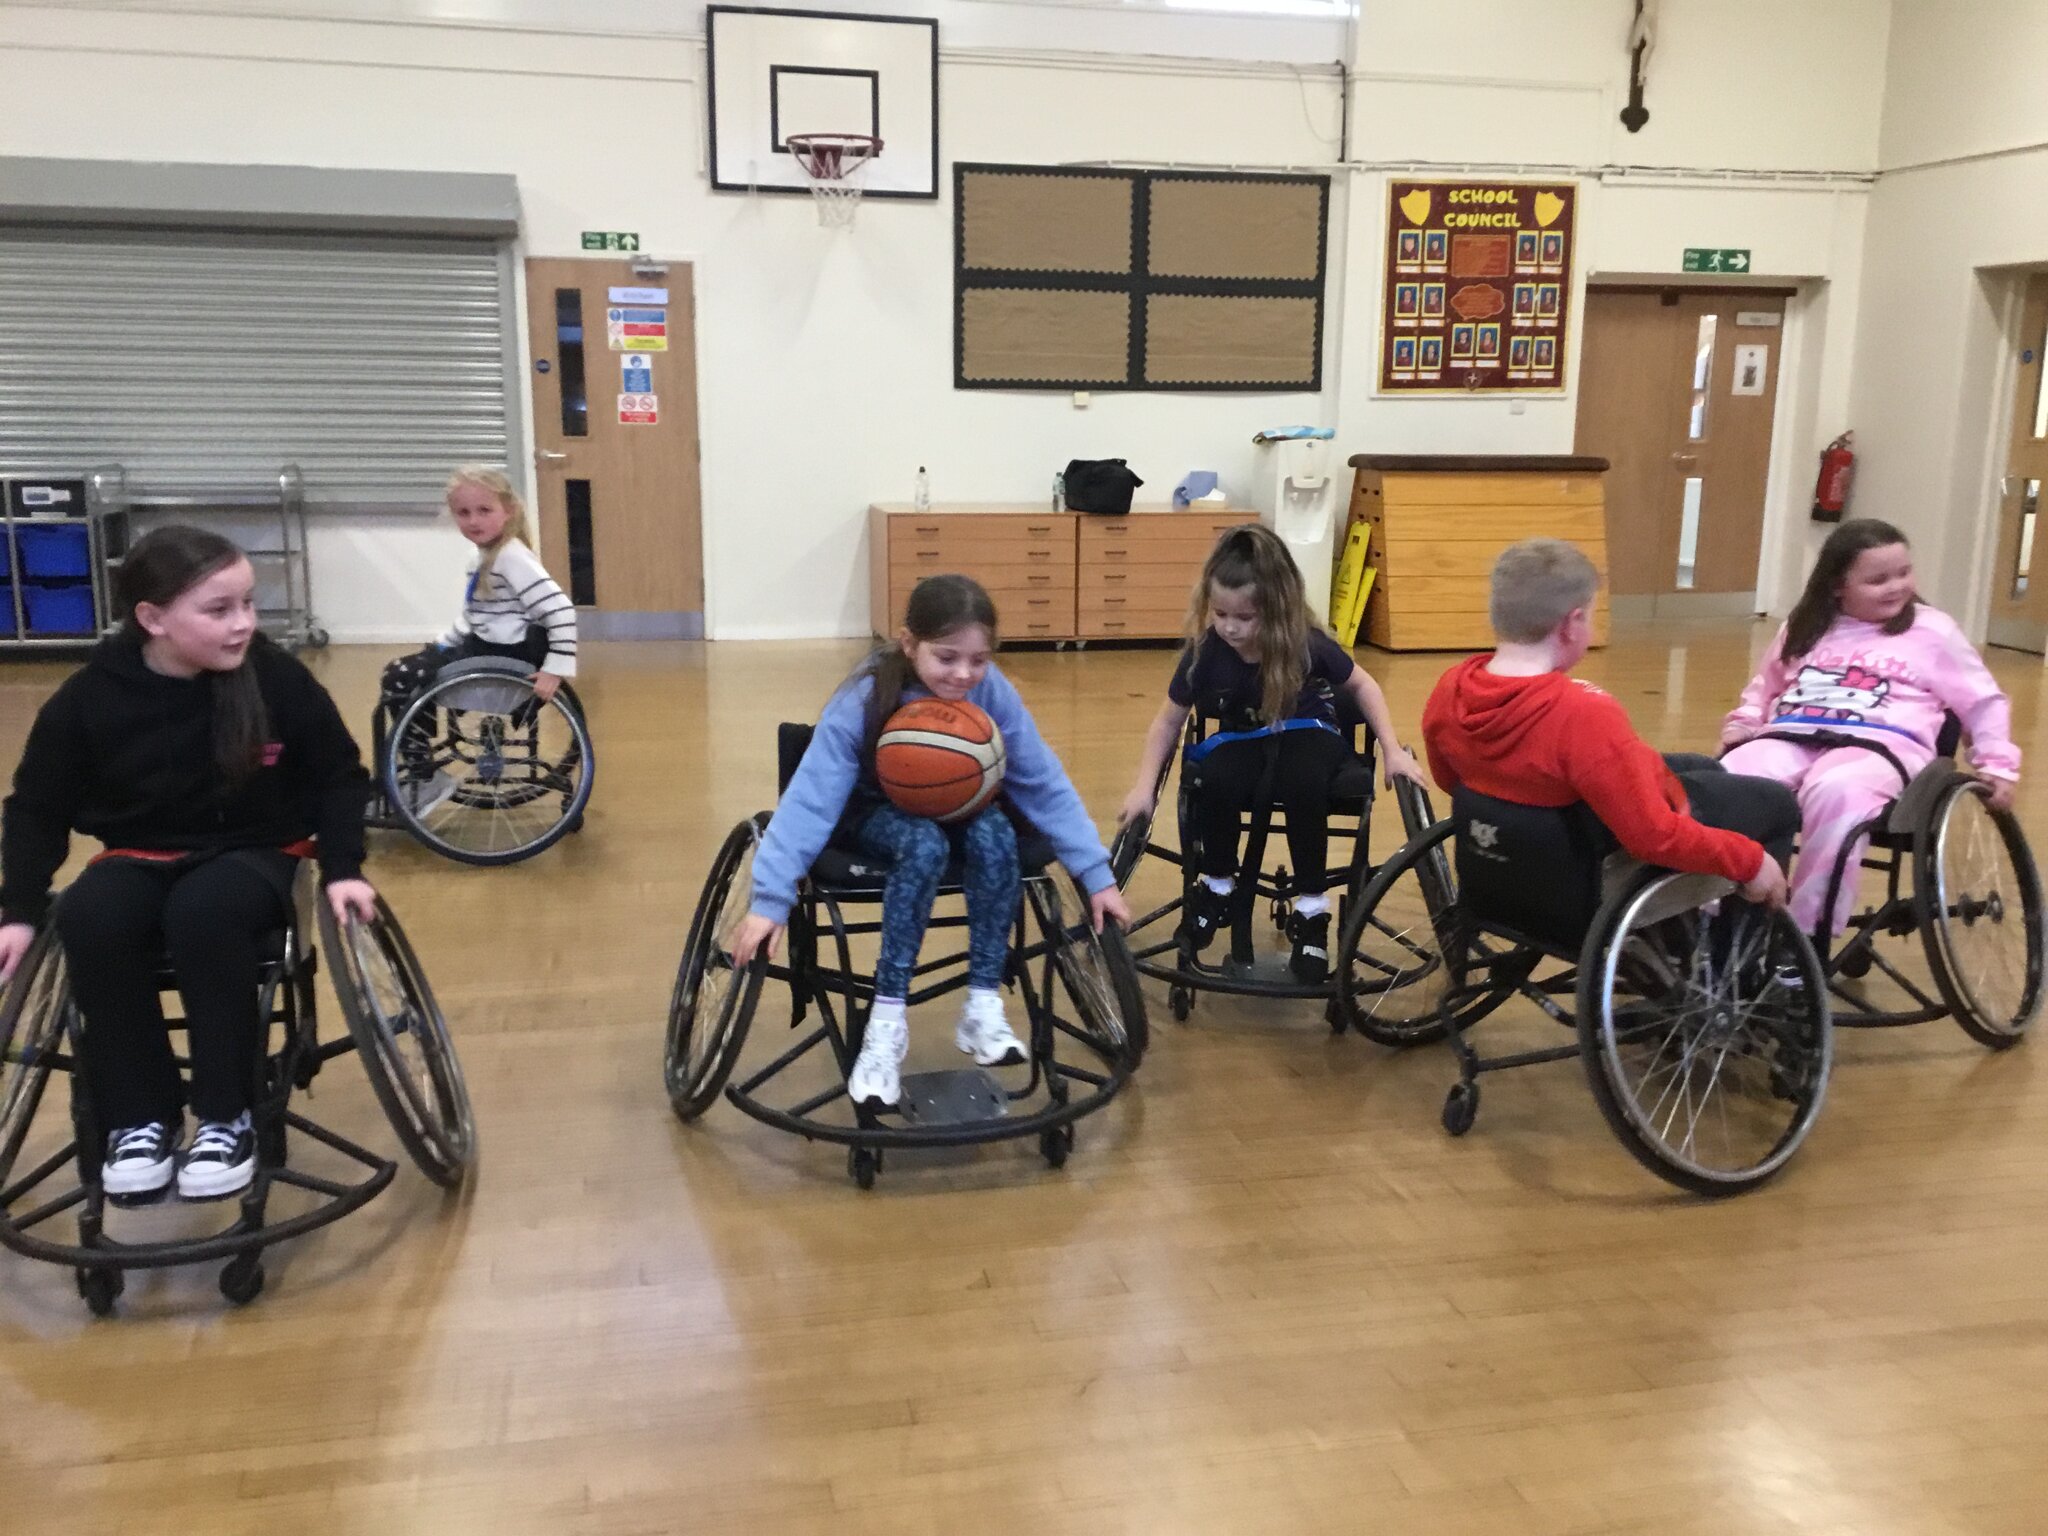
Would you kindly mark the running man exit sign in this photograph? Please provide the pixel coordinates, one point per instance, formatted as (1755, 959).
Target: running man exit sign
(1699, 259)
(618, 240)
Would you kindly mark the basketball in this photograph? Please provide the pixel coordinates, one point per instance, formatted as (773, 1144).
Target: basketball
(939, 760)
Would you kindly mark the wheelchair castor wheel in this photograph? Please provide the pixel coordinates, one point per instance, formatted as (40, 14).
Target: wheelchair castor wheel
(1180, 1002)
(1857, 964)
(1334, 1017)
(242, 1281)
(864, 1163)
(1280, 911)
(1461, 1108)
(1056, 1141)
(100, 1288)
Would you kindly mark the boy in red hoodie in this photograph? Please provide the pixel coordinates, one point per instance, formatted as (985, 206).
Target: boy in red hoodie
(1515, 726)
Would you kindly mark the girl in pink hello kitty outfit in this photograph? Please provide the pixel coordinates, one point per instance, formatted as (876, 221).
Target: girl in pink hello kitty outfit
(1862, 656)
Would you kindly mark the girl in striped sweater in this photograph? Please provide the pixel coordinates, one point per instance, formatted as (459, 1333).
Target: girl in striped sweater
(510, 607)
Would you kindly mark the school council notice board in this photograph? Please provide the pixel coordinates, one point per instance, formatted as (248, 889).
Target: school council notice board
(1478, 287)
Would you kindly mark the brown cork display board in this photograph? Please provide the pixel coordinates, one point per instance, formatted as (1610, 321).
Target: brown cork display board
(1478, 287)
(1095, 278)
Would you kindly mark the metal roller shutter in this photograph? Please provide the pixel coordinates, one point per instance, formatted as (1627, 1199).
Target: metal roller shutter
(203, 361)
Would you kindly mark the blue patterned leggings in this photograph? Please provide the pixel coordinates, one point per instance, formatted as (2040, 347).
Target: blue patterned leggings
(918, 849)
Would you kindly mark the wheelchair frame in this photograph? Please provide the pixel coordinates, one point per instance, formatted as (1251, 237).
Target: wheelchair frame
(1484, 964)
(1912, 829)
(704, 1042)
(484, 685)
(1237, 974)
(41, 1032)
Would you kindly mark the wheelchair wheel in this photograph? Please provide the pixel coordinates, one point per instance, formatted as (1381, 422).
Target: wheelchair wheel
(1100, 976)
(403, 1041)
(1395, 974)
(501, 776)
(1127, 849)
(1706, 1039)
(34, 1015)
(712, 1003)
(1977, 896)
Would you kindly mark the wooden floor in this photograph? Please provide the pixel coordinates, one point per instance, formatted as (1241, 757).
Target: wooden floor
(1267, 1294)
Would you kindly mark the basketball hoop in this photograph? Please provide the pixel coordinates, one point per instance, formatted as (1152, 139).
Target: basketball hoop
(836, 164)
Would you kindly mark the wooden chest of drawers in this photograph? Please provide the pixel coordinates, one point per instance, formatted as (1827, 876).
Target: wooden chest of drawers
(1053, 576)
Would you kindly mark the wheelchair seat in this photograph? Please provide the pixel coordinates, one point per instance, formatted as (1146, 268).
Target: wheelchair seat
(1536, 871)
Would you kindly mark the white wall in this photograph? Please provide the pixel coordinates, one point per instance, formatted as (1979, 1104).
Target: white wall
(825, 359)
(1731, 88)
(1961, 206)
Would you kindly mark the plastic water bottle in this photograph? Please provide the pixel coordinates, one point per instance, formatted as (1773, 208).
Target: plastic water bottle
(921, 499)
(1059, 490)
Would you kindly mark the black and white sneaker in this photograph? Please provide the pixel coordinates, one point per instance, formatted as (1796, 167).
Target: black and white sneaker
(1310, 960)
(140, 1160)
(1207, 911)
(221, 1162)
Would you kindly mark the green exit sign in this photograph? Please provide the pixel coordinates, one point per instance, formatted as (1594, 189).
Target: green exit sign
(1699, 259)
(620, 240)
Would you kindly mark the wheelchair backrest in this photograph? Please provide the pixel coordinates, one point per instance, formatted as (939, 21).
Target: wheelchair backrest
(792, 739)
(1533, 869)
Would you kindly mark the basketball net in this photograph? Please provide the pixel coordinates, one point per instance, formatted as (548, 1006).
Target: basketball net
(836, 165)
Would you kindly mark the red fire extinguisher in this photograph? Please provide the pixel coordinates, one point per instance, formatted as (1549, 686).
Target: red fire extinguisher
(1837, 469)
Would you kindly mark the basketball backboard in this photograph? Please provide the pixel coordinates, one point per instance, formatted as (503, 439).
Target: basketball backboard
(773, 73)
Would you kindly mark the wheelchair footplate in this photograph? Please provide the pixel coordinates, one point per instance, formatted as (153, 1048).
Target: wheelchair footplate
(958, 1097)
(1265, 971)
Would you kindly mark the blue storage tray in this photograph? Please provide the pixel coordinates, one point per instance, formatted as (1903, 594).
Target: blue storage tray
(65, 610)
(53, 549)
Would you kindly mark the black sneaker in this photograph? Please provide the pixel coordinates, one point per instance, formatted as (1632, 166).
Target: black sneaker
(1207, 912)
(1310, 960)
(140, 1160)
(221, 1162)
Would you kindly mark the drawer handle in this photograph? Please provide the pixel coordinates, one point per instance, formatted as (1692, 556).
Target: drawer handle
(1038, 581)
(929, 554)
(927, 527)
(1112, 623)
(1038, 626)
(1117, 576)
(1037, 602)
(1109, 600)
(1114, 554)
(1037, 554)
(1038, 527)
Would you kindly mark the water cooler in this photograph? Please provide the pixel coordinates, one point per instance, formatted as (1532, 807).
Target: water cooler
(1297, 499)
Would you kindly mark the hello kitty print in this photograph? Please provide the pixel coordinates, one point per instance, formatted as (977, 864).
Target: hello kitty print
(1848, 695)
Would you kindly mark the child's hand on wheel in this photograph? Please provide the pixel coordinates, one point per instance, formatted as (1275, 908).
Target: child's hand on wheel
(1401, 764)
(755, 934)
(357, 898)
(2003, 791)
(545, 684)
(15, 939)
(1106, 904)
(1767, 886)
(1138, 803)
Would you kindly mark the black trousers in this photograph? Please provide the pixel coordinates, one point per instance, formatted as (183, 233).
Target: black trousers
(118, 922)
(1762, 809)
(1304, 762)
(407, 675)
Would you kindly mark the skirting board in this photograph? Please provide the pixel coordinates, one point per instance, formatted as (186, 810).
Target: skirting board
(591, 625)
(1682, 605)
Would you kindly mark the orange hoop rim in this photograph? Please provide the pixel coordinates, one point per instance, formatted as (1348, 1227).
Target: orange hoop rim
(832, 156)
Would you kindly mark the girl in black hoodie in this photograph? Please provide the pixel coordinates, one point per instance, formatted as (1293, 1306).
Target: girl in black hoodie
(208, 762)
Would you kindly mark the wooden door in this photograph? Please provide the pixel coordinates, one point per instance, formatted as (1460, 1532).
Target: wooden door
(2019, 593)
(620, 514)
(1677, 391)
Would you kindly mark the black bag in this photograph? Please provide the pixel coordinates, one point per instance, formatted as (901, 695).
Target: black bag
(1100, 485)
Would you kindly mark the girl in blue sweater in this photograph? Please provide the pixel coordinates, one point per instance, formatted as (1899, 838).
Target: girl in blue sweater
(943, 650)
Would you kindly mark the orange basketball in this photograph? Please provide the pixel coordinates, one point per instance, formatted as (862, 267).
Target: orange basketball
(939, 759)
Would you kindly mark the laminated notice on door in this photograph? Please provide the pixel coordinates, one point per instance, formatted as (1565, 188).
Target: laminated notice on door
(639, 410)
(1752, 369)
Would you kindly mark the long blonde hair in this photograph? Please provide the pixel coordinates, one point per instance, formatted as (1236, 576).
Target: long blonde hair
(1252, 555)
(517, 526)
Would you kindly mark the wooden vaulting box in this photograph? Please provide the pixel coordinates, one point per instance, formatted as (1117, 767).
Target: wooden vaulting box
(1101, 279)
(1436, 523)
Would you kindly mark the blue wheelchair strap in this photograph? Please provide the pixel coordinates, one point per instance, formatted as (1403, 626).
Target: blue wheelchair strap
(1208, 744)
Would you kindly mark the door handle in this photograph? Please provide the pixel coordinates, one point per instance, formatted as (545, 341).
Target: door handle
(1685, 458)
(542, 456)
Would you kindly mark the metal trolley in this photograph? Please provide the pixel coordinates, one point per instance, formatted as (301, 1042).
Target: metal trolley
(284, 568)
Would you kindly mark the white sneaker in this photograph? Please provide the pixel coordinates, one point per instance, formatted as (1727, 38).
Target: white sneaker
(984, 1032)
(876, 1076)
(222, 1159)
(140, 1160)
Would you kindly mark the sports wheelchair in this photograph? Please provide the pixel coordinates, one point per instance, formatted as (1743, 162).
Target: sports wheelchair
(1961, 875)
(1078, 986)
(394, 1026)
(478, 767)
(1702, 1021)
(1242, 971)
